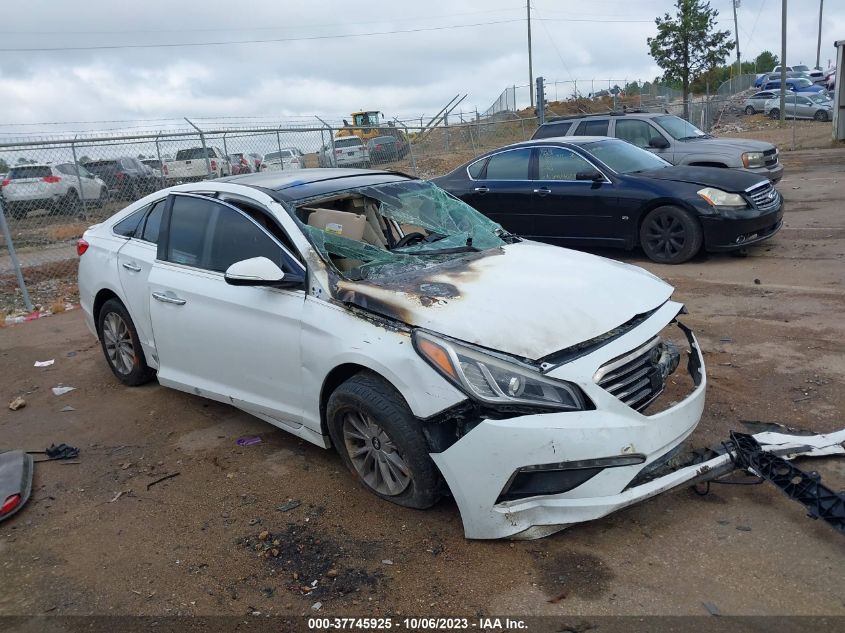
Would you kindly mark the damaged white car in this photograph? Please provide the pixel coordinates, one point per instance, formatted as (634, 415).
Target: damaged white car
(438, 354)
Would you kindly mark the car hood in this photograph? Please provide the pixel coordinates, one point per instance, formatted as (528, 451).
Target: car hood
(526, 299)
(730, 180)
(721, 145)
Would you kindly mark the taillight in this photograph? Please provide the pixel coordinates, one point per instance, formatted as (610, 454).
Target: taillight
(294, 161)
(10, 504)
(120, 176)
(51, 179)
(81, 247)
(164, 168)
(5, 182)
(213, 165)
(244, 162)
(338, 151)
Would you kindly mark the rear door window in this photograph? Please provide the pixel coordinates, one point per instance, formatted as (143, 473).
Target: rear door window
(551, 130)
(476, 168)
(128, 226)
(153, 223)
(510, 165)
(596, 127)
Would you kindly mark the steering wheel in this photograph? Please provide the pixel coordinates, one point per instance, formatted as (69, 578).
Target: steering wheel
(410, 238)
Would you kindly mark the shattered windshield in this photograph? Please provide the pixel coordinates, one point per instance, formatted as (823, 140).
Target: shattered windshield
(392, 227)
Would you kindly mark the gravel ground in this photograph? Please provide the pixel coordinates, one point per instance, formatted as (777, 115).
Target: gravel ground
(279, 526)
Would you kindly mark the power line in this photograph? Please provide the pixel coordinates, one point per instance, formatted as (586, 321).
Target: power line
(263, 41)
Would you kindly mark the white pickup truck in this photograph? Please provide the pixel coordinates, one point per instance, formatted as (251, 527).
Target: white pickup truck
(190, 164)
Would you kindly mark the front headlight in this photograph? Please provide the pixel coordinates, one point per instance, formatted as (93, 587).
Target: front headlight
(719, 198)
(493, 380)
(753, 159)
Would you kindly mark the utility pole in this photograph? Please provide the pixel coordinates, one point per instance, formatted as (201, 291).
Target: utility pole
(735, 4)
(530, 63)
(819, 42)
(783, 63)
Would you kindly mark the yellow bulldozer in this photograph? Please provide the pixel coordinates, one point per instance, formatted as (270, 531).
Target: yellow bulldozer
(367, 125)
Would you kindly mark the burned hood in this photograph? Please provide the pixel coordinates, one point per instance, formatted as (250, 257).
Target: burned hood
(526, 299)
(730, 180)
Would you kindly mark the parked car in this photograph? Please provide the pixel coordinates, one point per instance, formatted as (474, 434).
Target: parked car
(286, 158)
(797, 85)
(761, 79)
(815, 74)
(383, 149)
(191, 165)
(673, 139)
(757, 102)
(60, 188)
(241, 163)
(830, 78)
(127, 177)
(801, 107)
(258, 161)
(777, 70)
(595, 191)
(349, 151)
(155, 165)
(453, 357)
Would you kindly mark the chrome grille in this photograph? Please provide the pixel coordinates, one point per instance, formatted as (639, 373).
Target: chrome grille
(764, 197)
(634, 378)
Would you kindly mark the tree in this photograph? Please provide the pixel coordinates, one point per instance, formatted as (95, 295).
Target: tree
(766, 61)
(688, 44)
(4, 166)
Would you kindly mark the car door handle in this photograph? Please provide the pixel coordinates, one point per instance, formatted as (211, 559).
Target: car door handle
(543, 191)
(132, 267)
(481, 189)
(166, 298)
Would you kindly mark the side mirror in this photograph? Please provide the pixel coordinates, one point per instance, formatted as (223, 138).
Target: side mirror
(590, 174)
(658, 142)
(259, 271)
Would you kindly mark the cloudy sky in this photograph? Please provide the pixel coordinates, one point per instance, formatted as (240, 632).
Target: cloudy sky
(445, 47)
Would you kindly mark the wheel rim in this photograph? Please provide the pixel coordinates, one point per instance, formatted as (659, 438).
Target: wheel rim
(374, 456)
(749, 110)
(665, 236)
(118, 343)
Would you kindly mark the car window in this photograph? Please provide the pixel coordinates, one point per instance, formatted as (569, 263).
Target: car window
(592, 128)
(153, 223)
(129, 225)
(347, 142)
(189, 221)
(551, 130)
(66, 169)
(557, 163)
(235, 237)
(193, 153)
(476, 168)
(510, 165)
(637, 132)
(804, 101)
(29, 171)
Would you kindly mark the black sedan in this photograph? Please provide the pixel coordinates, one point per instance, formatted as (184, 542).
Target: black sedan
(598, 191)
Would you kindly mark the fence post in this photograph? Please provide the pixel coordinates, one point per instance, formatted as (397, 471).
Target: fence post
(13, 256)
(160, 163)
(331, 159)
(225, 147)
(279, 145)
(411, 151)
(79, 179)
(204, 148)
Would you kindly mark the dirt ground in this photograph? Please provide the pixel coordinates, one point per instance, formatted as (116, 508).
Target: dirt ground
(96, 539)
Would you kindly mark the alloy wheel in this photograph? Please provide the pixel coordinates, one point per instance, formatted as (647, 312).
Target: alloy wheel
(118, 343)
(374, 455)
(665, 235)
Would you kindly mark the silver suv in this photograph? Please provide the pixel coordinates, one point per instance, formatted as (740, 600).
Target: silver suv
(673, 139)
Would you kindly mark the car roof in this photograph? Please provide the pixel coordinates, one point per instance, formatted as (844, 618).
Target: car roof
(604, 115)
(296, 184)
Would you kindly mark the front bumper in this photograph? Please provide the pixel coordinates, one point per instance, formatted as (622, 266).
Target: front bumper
(773, 173)
(480, 465)
(729, 233)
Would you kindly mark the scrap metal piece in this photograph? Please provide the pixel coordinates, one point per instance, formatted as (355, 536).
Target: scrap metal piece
(15, 481)
(806, 488)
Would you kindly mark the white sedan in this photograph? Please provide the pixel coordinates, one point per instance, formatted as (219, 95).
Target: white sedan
(438, 354)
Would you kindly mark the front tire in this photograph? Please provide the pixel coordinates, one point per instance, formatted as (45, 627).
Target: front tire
(670, 235)
(750, 110)
(381, 443)
(121, 346)
(821, 115)
(774, 113)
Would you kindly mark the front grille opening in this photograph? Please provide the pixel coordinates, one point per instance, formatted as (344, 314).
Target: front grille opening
(645, 379)
(762, 198)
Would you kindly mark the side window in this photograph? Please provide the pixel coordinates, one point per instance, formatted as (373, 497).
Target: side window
(592, 128)
(189, 222)
(551, 130)
(557, 163)
(476, 168)
(235, 237)
(128, 225)
(636, 132)
(804, 101)
(65, 169)
(153, 223)
(510, 165)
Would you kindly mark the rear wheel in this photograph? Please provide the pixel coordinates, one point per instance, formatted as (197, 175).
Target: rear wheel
(670, 235)
(70, 204)
(381, 442)
(821, 115)
(121, 345)
(750, 110)
(103, 198)
(774, 113)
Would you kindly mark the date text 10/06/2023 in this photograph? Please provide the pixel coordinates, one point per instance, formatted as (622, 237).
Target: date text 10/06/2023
(417, 624)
